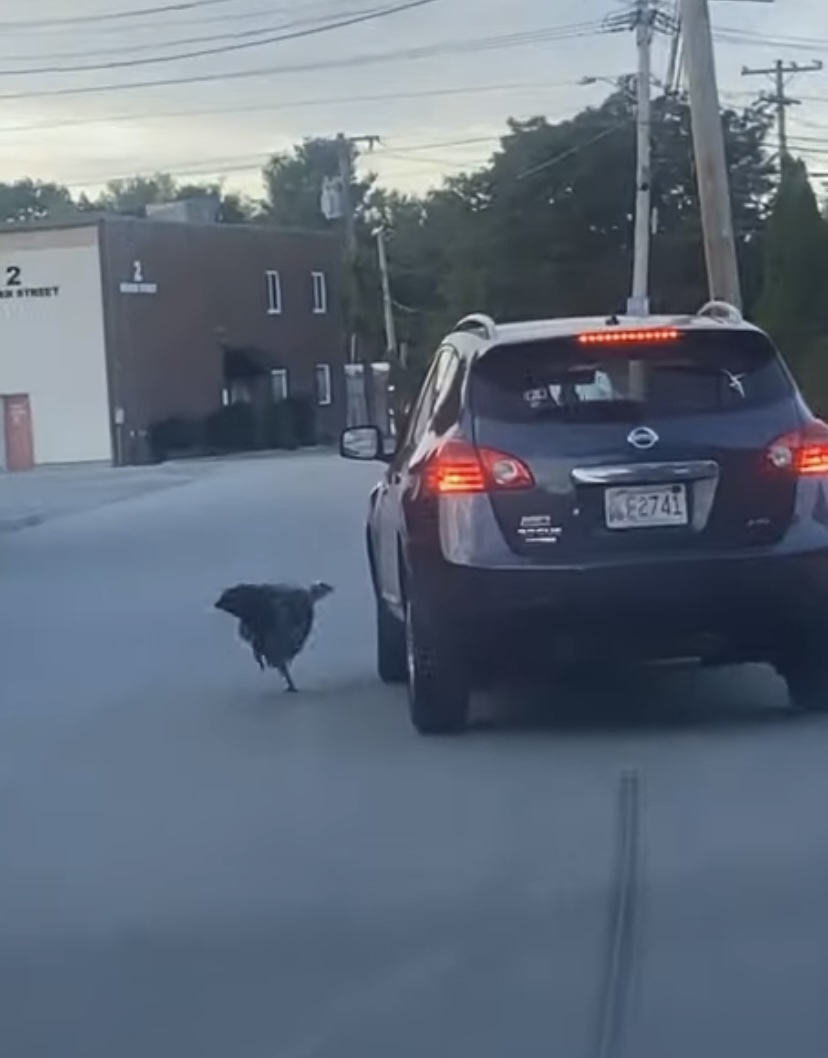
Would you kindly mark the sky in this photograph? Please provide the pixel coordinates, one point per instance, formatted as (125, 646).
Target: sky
(436, 82)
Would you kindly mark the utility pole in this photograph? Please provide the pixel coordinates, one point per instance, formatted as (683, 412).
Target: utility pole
(779, 98)
(645, 18)
(387, 304)
(709, 151)
(639, 303)
(345, 159)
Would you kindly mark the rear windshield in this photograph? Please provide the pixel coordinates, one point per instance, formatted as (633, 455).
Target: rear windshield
(701, 372)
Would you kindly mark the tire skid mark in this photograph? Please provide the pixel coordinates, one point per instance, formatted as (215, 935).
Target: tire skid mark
(622, 922)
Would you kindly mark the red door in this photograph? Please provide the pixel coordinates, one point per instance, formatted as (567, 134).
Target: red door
(17, 425)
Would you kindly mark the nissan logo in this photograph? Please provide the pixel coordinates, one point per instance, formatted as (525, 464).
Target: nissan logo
(642, 437)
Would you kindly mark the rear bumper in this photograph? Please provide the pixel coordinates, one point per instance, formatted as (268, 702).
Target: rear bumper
(726, 607)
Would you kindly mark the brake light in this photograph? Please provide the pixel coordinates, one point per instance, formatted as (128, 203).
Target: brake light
(804, 452)
(460, 469)
(638, 337)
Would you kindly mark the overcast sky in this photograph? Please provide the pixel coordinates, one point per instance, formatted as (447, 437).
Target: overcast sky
(436, 112)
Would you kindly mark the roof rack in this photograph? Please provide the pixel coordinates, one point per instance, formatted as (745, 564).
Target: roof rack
(722, 311)
(477, 321)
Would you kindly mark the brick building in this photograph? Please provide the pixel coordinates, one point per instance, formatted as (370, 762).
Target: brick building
(109, 325)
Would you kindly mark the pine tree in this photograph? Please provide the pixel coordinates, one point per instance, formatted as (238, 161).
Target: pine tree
(792, 305)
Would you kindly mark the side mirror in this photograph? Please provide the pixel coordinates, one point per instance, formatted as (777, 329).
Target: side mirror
(365, 443)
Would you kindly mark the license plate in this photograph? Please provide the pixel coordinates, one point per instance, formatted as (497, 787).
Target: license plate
(646, 507)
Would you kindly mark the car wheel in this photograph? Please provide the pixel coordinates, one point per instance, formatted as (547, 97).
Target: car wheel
(438, 688)
(807, 680)
(392, 666)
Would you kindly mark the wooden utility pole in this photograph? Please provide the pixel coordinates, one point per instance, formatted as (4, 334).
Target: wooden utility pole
(387, 304)
(709, 150)
(345, 154)
(639, 303)
(780, 71)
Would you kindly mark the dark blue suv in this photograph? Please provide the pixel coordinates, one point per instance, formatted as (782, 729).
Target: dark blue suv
(581, 491)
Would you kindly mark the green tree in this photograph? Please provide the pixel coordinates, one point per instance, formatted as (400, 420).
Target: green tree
(553, 211)
(132, 195)
(294, 180)
(28, 200)
(792, 305)
(546, 227)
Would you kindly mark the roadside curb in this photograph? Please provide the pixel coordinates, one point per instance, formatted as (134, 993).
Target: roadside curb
(172, 474)
(241, 457)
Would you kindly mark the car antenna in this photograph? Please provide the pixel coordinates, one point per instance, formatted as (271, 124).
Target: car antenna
(613, 321)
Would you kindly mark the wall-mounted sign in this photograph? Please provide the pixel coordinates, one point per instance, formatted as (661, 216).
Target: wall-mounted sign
(138, 285)
(13, 285)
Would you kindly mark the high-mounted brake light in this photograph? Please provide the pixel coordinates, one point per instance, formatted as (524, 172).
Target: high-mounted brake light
(803, 452)
(461, 469)
(641, 336)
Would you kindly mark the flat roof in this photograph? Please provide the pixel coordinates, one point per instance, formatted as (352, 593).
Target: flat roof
(90, 220)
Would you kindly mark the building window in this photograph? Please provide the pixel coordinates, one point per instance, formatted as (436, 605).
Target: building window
(279, 384)
(240, 393)
(323, 384)
(320, 293)
(274, 293)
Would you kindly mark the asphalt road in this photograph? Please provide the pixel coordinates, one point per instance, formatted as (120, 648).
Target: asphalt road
(193, 865)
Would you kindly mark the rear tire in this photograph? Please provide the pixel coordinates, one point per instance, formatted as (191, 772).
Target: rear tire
(438, 686)
(391, 656)
(807, 680)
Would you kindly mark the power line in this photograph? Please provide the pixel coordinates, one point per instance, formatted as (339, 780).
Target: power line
(224, 49)
(181, 42)
(463, 46)
(113, 16)
(248, 163)
(48, 28)
(275, 108)
(440, 144)
(750, 39)
(442, 163)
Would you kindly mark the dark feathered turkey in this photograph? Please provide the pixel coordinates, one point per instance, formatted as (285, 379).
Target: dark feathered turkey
(275, 619)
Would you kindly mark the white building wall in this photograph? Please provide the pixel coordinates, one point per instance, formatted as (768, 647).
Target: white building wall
(52, 343)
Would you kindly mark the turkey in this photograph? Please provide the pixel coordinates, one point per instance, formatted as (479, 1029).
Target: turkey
(275, 619)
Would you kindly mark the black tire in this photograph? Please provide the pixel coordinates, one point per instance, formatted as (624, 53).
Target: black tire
(392, 666)
(807, 680)
(438, 687)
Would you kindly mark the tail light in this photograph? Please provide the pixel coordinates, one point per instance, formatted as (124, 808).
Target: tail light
(459, 469)
(803, 452)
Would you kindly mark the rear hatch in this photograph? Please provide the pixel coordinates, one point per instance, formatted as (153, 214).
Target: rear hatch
(647, 441)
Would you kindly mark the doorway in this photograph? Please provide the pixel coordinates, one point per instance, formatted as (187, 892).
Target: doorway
(17, 447)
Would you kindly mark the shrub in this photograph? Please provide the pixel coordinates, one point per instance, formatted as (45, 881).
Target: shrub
(232, 429)
(175, 435)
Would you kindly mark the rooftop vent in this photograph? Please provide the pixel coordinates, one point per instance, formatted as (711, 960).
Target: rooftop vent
(203, 210)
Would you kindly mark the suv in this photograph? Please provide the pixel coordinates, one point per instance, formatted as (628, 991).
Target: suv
(631, 490)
